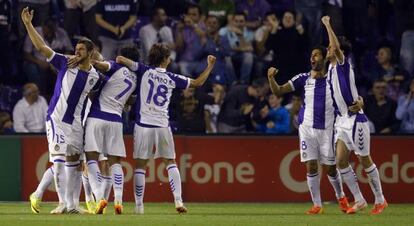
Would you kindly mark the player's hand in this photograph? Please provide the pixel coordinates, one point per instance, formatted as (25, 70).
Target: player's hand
(325, 20)
(211, 60)
(27, 16)
(271, 72)
(120, 59)
(357, 105)
(73, 61)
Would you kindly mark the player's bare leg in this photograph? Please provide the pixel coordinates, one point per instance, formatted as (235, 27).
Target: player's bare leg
(348, 176)
(313, 179)
(139, 184)
(117, 175)
(335, 179)
(374, 183)
(174, 179)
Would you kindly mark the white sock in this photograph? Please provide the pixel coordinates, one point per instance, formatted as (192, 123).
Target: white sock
(117, 181)
(47, 179)
(314, 188)
(375, 183)
(78, 187)
(348, 176)
(139, 186)
(87, 188)
(107, 186)
(336, 183)
(95, 179)
(175, 181)
(71, 173)
(59, 177)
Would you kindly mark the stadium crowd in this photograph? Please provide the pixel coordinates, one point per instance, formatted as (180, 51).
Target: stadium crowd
(246, 36)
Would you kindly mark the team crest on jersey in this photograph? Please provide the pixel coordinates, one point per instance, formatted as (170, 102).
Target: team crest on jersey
(304, 155)
(91, 81)
(57, 148)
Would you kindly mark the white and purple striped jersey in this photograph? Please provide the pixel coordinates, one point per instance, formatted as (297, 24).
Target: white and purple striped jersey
(71, 91)
(117, 85)
(345, 93)
(317, 110)
(154, 90)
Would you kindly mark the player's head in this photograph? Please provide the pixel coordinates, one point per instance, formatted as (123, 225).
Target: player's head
(317, 58)
(130, 52)
(84, 49)
(159, 54)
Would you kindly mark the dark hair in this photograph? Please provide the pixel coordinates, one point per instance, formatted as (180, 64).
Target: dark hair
(320, 48)
(345, 44)
(240, 13)
(130, 52)
(90, 46)
(193, 6)
(158, 53)
(212, 16)
(155, 12)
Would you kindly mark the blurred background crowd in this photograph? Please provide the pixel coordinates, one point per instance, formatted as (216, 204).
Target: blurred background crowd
(246, 36)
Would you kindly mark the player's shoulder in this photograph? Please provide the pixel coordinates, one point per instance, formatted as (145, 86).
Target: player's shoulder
(305, 75)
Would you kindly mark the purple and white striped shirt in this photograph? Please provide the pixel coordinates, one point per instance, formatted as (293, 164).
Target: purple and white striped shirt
(71, 91)
(317, 110)
(154, 90)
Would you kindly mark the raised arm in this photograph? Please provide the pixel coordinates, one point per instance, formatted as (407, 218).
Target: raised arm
(276, 88)
(333, 40)
(127, 62)
(201, 79)
(37, 40)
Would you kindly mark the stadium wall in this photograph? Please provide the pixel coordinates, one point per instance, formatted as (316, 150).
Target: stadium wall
(226, 169)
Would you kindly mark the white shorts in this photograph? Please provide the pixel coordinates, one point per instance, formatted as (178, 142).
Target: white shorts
(316, 144)
(105, 137)
(145, 139)
(354, 132)
(64, 139)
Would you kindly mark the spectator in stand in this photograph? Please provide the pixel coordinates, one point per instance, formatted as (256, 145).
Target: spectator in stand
(189, 36)
(290, 46)
(115, 19)
(407, 50)
(311, 11)
(5, 53)
(380, 109)
(255, 11)
(189, 110)
(222, 9)
(276, 117)
(241, 42)
(405, 110)
(237, 107)
(260, 102)
(385, 68)
(265, 56)
(6, 124)
(29, 114)
(212, 110)
(37, 69)
(41, 7)
(157, 32)
(80, 15)
(216, 45)
(294, 107)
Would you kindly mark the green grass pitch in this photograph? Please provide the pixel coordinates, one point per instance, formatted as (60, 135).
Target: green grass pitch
(211, 214)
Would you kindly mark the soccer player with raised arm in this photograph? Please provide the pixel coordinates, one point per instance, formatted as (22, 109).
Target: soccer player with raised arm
(316, 120)
(63, 124)
(103, 133)
(154, 90)
(352, 129)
